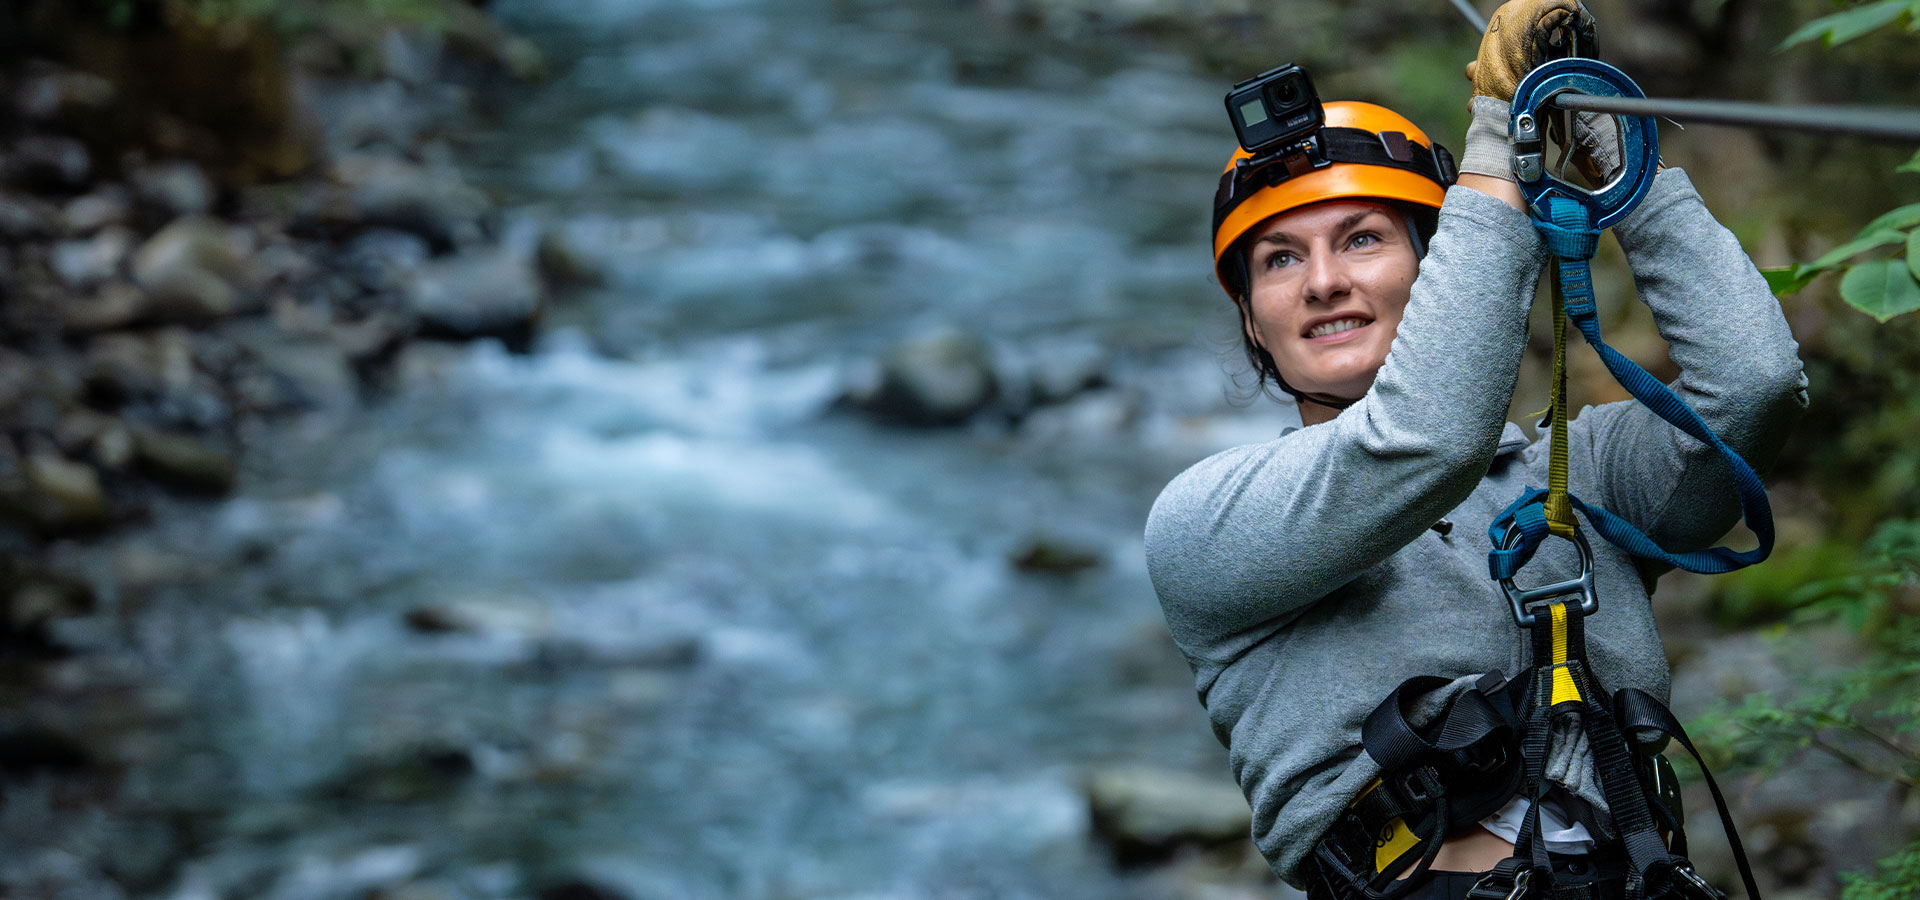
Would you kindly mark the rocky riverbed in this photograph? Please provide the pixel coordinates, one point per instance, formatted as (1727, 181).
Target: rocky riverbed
(715, 469)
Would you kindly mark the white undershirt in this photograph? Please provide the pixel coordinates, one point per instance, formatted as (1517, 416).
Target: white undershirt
(1558, 829)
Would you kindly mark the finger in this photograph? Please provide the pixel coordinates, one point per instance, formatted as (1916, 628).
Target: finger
(1473, 68)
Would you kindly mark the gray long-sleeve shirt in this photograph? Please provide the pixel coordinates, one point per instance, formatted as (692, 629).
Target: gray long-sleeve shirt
(1301, 578)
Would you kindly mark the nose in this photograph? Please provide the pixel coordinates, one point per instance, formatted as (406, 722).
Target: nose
(1328, 278)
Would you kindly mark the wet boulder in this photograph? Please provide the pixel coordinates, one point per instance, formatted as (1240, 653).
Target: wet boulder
(942, 377)
(82, 263)
(374, 190)
(87, 214)
(493, 294)
(1148, 814)
(38, 596)
(177, 188)
(58, 495)
(120, 367)
(563, 264)
(194, 270)
(116, 304)
(184, 461)
(47, 164)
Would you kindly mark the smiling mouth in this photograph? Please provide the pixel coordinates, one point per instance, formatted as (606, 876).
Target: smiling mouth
(1336, 326)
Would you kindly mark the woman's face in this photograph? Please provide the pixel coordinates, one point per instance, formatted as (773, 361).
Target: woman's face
(1328, 284)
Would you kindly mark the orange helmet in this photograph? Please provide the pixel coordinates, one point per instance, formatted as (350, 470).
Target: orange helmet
(1363, 151)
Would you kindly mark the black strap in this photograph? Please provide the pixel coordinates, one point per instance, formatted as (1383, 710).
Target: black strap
(1334, 144)
(1637, 711)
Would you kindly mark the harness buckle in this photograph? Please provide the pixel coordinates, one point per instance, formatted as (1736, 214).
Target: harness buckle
(1707, 891)
(1583, 585)
(1485, 890)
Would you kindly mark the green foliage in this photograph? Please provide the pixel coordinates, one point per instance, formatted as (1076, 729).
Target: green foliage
(1848, 24)
(1912, 165)
(1867, 716)
(1893, 879)
(1880, 288)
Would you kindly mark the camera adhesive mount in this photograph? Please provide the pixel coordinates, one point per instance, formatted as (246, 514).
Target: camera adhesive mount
(1639, 138)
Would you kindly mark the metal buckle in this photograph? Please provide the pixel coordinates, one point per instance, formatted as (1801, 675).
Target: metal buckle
(1706, 890)
(1520, 884)
(1583, 585)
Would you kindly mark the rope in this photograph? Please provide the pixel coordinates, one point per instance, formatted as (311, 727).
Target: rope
(1567, 230)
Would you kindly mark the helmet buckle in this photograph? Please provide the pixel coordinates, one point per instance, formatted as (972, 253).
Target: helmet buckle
(1397, 147)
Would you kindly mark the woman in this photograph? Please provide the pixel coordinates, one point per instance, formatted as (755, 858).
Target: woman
(1306, 577)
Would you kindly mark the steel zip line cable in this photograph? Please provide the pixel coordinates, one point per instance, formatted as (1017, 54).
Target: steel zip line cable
(1879, 123)
(1473, 15)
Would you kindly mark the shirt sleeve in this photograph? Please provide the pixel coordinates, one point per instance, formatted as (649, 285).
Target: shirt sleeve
(1739, 369)
(1257, 533)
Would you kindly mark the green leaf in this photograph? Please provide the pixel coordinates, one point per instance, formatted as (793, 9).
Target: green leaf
(1912, 165)
(1846, 25)
(1881, 289)
(1913, 252)
(1786, 280)
(1855, 247)
(1900, 218)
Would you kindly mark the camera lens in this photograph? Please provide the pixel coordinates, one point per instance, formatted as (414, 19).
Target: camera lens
(1288, 91)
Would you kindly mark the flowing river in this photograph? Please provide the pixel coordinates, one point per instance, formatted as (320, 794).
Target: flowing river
(645, 607)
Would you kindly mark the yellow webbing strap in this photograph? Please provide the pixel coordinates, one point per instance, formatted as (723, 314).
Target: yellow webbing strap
(1563, 687)
(1557, 507)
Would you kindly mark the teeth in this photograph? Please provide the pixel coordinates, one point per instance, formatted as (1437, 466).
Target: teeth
(1335, 327)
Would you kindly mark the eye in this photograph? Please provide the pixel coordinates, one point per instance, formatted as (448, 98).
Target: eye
(1280, 259)
(1363, 239)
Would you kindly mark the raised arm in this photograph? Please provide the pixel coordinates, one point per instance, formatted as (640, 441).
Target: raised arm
(1257, 533)
(1739, 368)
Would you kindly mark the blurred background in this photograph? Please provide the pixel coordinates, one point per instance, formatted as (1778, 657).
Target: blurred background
(634, 449)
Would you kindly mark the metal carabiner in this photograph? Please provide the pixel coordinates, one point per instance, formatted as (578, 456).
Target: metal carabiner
(1583, 585)
(1639, 139)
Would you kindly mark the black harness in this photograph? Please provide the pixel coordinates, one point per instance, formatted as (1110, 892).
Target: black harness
(1490, 745)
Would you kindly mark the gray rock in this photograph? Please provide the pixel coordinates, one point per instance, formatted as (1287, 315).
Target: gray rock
(178, 187)
(184, 461)
(22, 217)
(288, 371)
(43, 163)
(1060, 372)
(82, 263)
(123, 366)
(62, 495)
(433, 202)
(193, 270)
(60, 95)
(942, 377)
(116, 304)
(381, 259)
(1150, 813)
(1045, 554)
(39, 595)
(490, 295)
(563, 264)
(106, 206)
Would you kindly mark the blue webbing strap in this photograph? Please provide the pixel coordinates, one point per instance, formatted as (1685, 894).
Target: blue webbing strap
(1569, 234)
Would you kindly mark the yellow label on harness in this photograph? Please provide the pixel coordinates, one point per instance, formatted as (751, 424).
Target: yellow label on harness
(1393, 841)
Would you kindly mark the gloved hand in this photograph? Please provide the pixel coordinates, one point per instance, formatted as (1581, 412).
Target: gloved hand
(1596, 144)
(1520, 36)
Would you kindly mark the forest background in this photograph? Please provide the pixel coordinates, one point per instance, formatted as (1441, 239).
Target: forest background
(192, 174)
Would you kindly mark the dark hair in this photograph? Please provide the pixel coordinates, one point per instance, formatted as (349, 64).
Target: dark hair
(1233, 268)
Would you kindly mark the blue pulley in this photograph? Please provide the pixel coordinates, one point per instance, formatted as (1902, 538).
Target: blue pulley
(1639, 139)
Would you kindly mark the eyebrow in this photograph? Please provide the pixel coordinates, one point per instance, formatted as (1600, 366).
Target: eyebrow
(1344, 225)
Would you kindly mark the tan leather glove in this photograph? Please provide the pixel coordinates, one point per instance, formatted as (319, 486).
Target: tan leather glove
(1521, 35)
